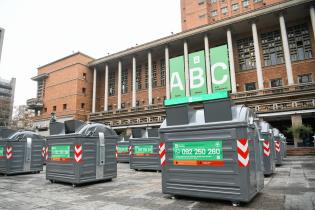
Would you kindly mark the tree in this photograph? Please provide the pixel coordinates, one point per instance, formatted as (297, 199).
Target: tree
(296, 132)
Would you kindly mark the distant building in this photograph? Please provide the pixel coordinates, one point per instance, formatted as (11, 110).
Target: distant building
(196, 13)
(64, 87)
(1, 40)
(7, 89)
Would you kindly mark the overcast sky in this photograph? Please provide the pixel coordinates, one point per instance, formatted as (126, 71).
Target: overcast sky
(41, 31)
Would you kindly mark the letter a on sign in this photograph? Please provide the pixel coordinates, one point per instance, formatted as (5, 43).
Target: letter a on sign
(220, 71)
(197, 73)
(177, 77)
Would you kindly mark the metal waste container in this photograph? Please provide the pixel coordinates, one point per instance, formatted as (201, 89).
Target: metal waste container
(268, 147)
(21, 153)
(123, 151)
(82, 157)
(284, 145)
(278, 147)
(144, 149)
(211, 153)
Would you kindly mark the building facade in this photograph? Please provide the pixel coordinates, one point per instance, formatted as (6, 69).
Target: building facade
(64, 87)
(196, 13)
(7, 89)
(1, 40)
(271, 61)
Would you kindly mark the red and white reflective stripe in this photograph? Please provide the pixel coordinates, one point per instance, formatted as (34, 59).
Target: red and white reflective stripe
(130, 150)
(43, 151)
(46, 153)
(162, 152)
(242, 153)
(9, 152)
(277, 144)
(266, 148)
(116, 152)
(78, 153)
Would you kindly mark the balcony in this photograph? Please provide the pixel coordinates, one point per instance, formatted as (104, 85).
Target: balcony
(34, 103)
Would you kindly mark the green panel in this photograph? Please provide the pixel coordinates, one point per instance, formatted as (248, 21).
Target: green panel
(1, 151)
(123, 148)
(177, 77)
(197, 98)
(198, 150)
(197, 73)
(60, 151)
(143, 149)
(220, 70)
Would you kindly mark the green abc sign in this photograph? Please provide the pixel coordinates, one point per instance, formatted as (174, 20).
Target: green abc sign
(220, 71)
(197, 73)
(177, 77)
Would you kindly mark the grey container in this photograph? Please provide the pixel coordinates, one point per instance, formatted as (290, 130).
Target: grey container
(268, 148)
(224, 177)
(83, 157)
(144, 154)
(284, 145)
(278, 147)
(21, 153)
(123, 151)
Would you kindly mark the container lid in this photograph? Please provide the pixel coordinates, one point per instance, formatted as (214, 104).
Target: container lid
(22, 135)
(92, 129)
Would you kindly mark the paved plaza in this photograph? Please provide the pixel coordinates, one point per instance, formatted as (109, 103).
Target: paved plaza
(291, 187)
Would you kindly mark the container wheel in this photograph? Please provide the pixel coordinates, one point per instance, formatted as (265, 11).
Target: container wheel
(235, 203)
(52, 181)
(74, 185)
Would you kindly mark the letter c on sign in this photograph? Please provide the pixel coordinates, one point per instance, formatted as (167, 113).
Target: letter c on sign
(224, 78)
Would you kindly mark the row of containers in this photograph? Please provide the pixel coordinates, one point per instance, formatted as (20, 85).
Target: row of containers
(221, 151)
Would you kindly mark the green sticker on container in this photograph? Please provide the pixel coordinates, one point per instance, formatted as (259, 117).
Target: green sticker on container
(208, 153)
(123, 149)
(1, 151)
(143, 150)
(60, 153)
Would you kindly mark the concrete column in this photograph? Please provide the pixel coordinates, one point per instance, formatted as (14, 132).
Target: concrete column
(207, 55)
(94, 91)
(312, 14)
(133, 82)
(167, 73)
(231, 60)
(149, 78)
(119, 86)
(106, 89)
(186, 68)
(296, 121)
(257, 57)
(286, 50)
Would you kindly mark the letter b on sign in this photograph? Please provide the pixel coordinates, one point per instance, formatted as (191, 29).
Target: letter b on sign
(197, 73)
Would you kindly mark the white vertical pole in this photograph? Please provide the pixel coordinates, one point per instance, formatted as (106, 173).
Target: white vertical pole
(119, 86)
(133, 81)
(257, 57)
(207, 58)
(167, 73)
(94, 91)
(106, 89)
(186, 65)
(231, 60)
(149, 78)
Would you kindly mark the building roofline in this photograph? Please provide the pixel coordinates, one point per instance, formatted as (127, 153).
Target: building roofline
(68, 56)
(201, 29)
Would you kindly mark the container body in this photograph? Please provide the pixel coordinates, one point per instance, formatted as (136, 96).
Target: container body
(23, 156)
(78, 159)
(123, 152)
(268, 154)
(217, 160)
(145, 154)
(278, 151)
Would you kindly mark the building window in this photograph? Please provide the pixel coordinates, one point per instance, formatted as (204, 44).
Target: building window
(305, 78)
(202, 16)
(146, 75)
(110, 107)
(257, 1)
(201, 2)
(276, 82)
(83, 90)
(162, 69)
(246, 54)
(299, 43)
(214, 13)
(124, 81)
(137, 103)
(213, 1)
(245, 3)
(154, 75)
(224, 10)
(138, 77)
(64, 106)
(272, 48)
(235, 6)
(123, 105)
(82, 105)
(84, 76)
(45, 109)
(111, 83)
(54, 108)
(250, 86)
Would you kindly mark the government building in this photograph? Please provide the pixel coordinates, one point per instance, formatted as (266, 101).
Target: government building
(270, 59)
